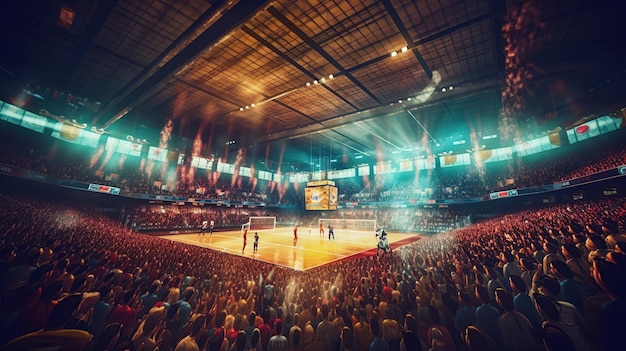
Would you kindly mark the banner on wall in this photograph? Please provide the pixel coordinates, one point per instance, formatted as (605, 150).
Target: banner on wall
(104, 189)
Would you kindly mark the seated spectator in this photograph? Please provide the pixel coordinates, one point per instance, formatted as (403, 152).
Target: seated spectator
(466, 314)
(523, 303)
(147, 338)
(571, 290)
(548, 309)
(53, 336)
(516, 330)
(475, 340)
(555, 339)
(578, 266)
(439, 337)
(34, 316)
(487, 316)
(610, 277)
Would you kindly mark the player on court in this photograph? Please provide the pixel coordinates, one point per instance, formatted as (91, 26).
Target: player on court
(204, 227)
(295, 235)
(383, 242)
(331, 232)
(256, 241)
(211, 226)
(245, 238)
(321, 230)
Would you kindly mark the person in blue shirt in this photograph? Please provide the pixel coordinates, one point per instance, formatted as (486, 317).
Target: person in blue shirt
(522, 301)
(149, 299)
(487, 316)
(570, 290)
(378, 344)
(466, 314)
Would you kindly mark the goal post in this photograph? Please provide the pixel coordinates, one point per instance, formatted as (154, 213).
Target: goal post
(244, 227)
(261, 224)
(368, 225)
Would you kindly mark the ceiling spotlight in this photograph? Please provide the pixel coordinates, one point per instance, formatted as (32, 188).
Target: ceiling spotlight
(252, 105)
(451, 88)
(247, 107)
(394, 53)
(443, 90)
(400, 101)
(308, 84)
(315, 81)
(323, 80)
(408, 99)
(241, 109)
(330, 76)
(404, 49)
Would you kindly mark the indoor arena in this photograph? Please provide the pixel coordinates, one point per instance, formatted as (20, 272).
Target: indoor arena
(312, 175)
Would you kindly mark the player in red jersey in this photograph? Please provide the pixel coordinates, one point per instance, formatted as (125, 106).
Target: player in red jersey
(295, 235)
(245, 238)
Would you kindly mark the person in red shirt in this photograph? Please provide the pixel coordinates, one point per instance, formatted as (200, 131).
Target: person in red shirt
(245, 238)
(124, 314)
(295, 235)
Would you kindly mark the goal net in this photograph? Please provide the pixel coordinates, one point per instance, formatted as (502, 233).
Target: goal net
(258, 224)
(349, 224)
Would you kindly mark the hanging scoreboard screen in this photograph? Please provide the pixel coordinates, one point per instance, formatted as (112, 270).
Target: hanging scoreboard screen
(320, 196)
(332, 197)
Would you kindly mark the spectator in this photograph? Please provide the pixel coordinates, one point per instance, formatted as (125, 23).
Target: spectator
(486, 315)
(515, 329)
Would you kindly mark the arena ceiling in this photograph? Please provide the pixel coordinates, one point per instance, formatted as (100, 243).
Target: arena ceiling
(298, 81)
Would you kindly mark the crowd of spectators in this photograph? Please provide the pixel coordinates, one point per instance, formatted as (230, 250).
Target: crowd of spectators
(173, 217)
(548, 278)
(137, 175)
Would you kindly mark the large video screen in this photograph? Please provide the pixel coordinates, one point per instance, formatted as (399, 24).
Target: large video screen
(332, 197)
(320, 198)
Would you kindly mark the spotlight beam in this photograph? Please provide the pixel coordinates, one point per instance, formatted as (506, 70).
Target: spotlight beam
(365, 153)
(419, 123)
(378, 136)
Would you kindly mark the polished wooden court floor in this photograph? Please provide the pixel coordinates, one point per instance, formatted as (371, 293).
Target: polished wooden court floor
(311, 250)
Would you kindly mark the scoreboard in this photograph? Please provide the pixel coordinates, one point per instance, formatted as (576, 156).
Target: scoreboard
(320, 196)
